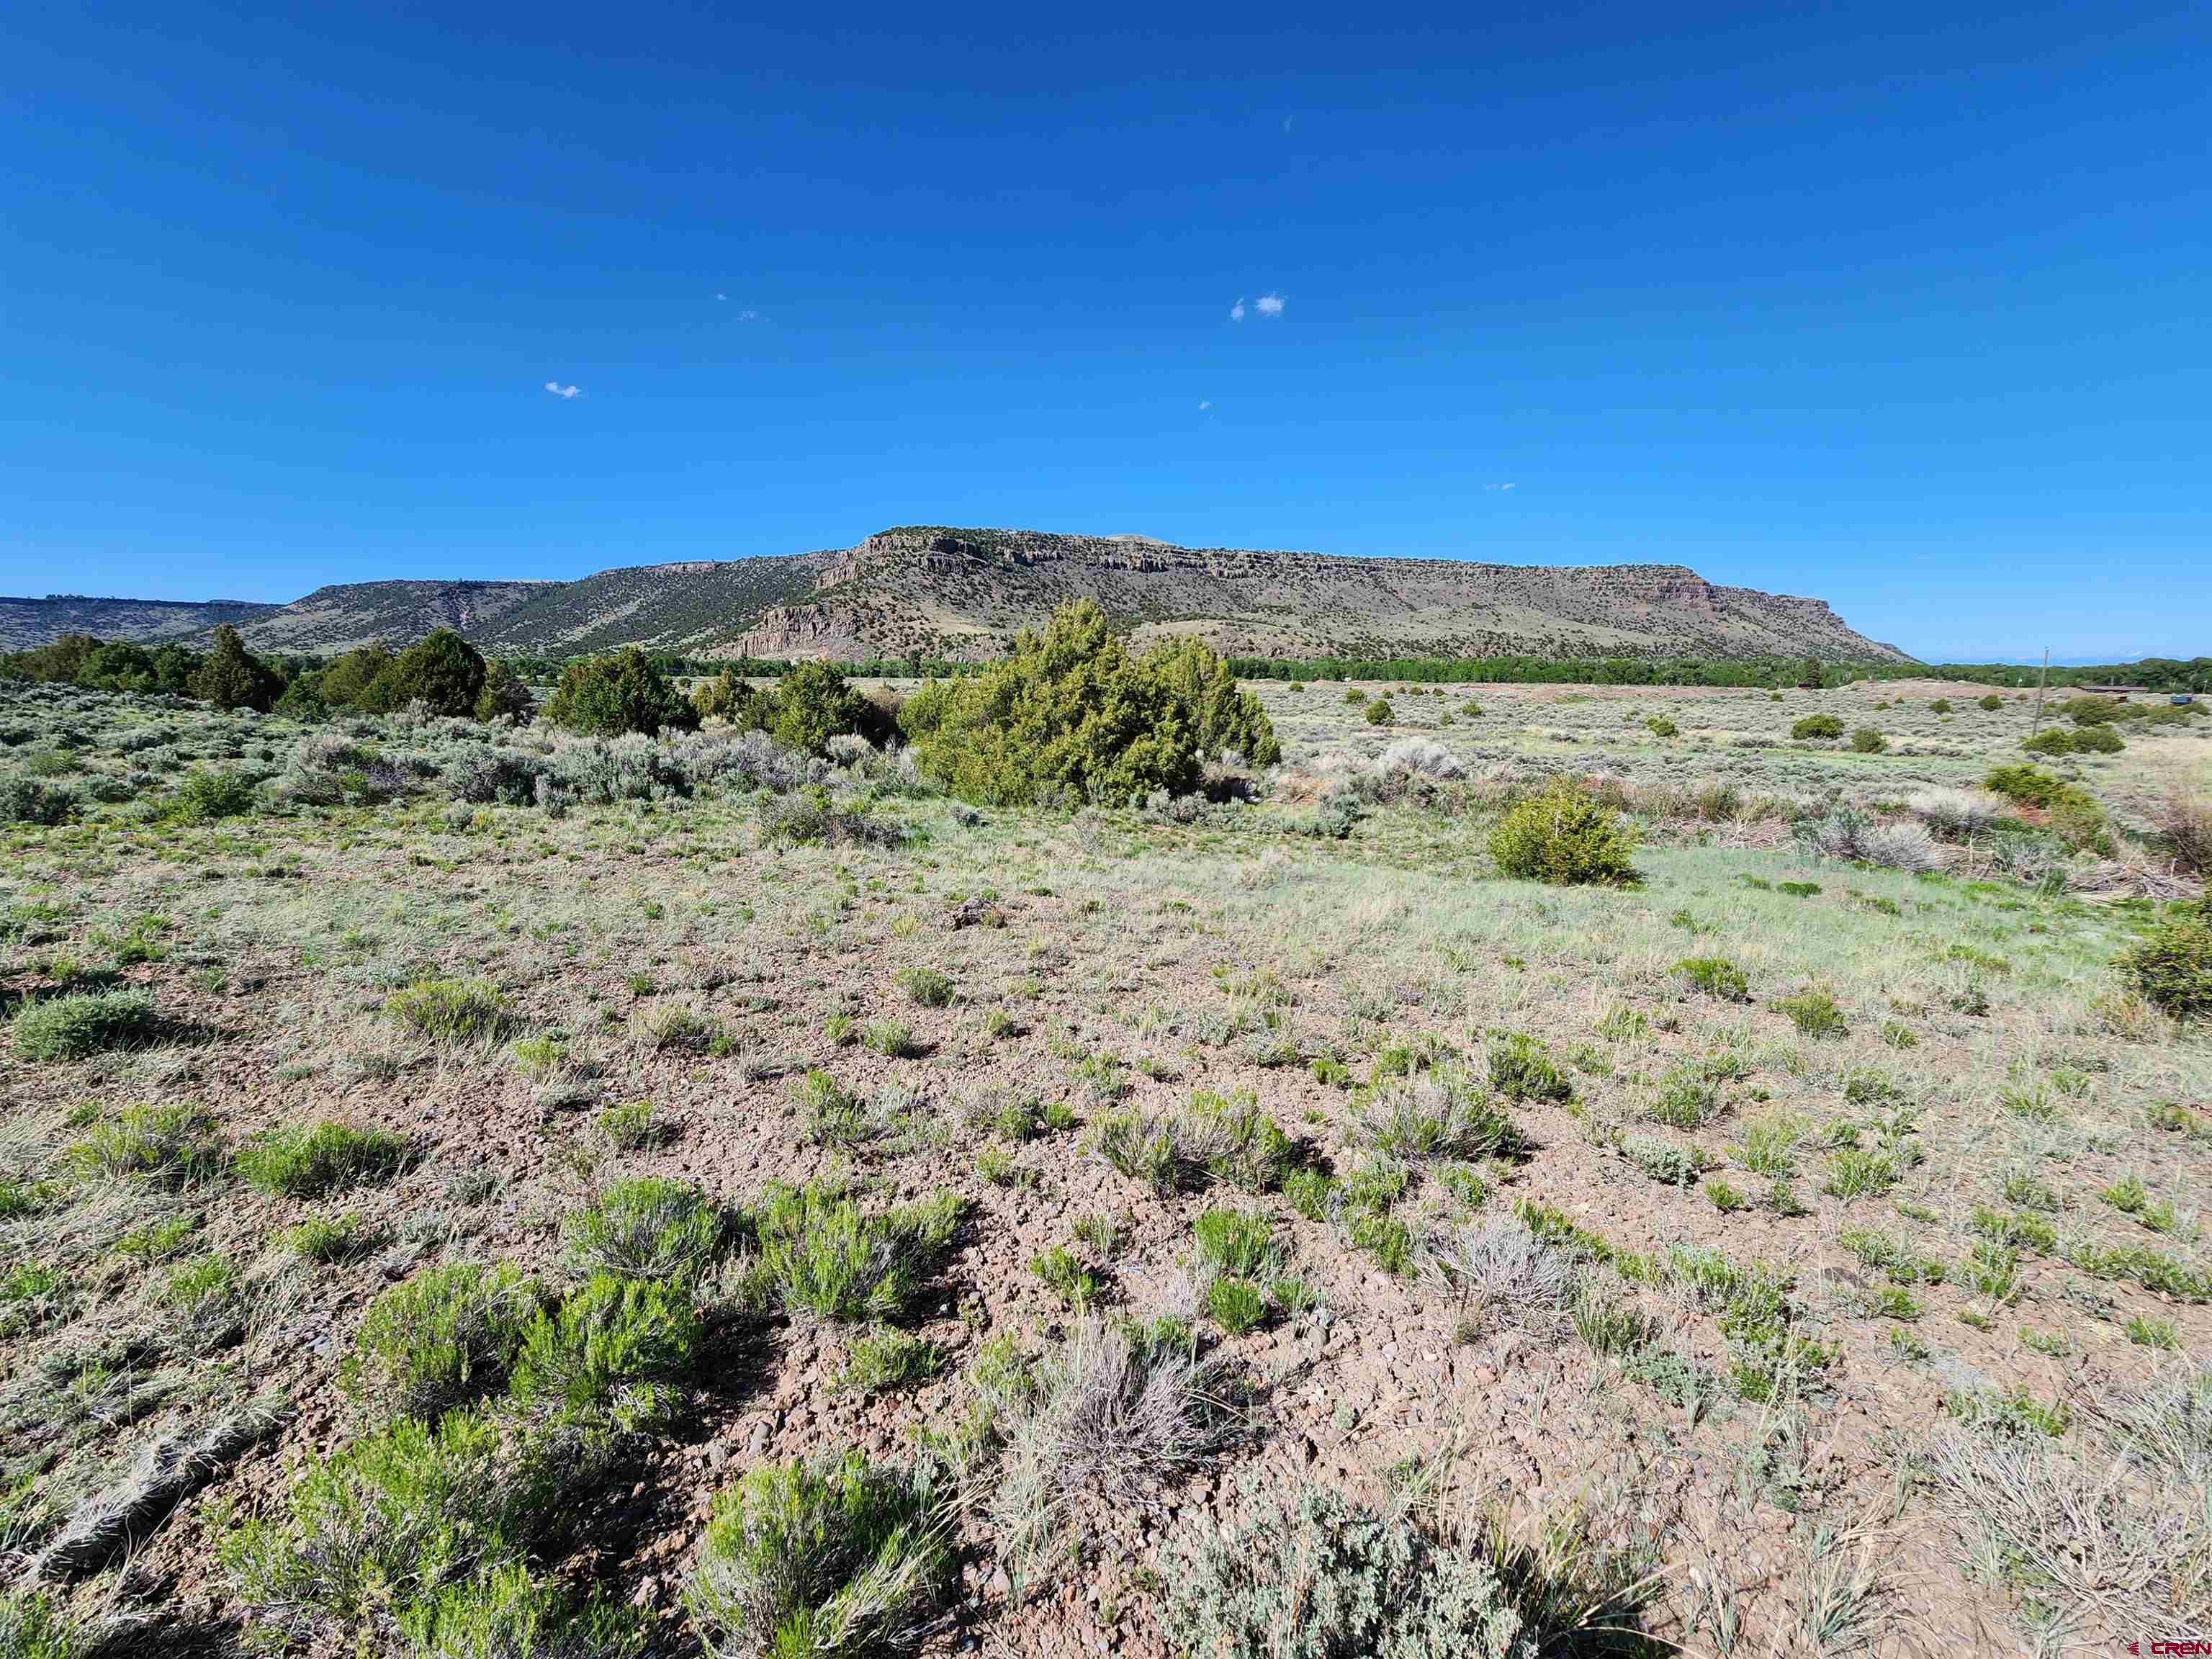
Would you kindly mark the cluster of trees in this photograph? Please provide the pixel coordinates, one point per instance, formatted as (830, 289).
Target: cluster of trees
(441, 671)
(226, 674)
(1760, 672)
(2152, 673)
(1071, 713)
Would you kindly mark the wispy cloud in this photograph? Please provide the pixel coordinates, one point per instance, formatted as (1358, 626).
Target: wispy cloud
(1498, 488)
(1268, 304)
(564, 393)
(721, 297)
(748, 316)
(1236, 311)
(1204, 403)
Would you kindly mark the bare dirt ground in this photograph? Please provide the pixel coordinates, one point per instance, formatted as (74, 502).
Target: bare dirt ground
(1848, 1290)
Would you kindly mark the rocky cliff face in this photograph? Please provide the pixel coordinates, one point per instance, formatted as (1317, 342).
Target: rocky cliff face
(935, 590)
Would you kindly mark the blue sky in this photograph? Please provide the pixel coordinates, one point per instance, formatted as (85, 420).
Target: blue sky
(1903, 306)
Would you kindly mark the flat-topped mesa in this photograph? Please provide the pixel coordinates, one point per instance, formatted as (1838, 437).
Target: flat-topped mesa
(939, 590)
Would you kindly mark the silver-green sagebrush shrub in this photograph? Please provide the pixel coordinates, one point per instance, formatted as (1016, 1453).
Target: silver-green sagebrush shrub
(1314, 1577)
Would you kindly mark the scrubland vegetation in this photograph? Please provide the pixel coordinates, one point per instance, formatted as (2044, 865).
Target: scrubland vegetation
(1093, 1157)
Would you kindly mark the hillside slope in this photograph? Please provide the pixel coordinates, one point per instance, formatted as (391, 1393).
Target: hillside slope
(27, 622)
(934, 590)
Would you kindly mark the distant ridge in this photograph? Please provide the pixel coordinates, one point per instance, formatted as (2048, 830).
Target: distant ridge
(936, 590)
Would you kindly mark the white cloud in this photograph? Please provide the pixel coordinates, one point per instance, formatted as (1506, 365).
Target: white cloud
(1236, 311)
(748, 316)
(1499, 487)
(564, 393)
(1268, 304)
(721, 297)
(1204, 403)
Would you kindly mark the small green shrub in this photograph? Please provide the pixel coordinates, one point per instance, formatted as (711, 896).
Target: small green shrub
(1990, 703)
(1661, 726)
(1813, 1012)
(1817, 726)
(1521, 1068)
(824, 1257)
(1565, 836)
(1867, 741)
(1074, 1284)
(1239, 1242)
(90, 1023)
(310, 1163)
(1716, 976)
(374, 1531)
(1379, 712)
(428, 1342)
(2057, 740)
(880, 1360)
(604, 1354)
(1663, 1160)
(634, 1126)
(205, 797)
(647, 1227)
(454, 1011)
(346, 1238)
(833, 1116)
(1237, 1305)
(617, 693)
(926, 988)
(833, 1559)
(2172, 966)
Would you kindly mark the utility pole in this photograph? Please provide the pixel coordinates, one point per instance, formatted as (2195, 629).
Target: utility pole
(2040, 681)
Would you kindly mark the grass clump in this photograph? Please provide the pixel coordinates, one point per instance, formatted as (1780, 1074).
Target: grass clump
(926, 988)
(1521, 1068)
(1715, 976)
(1075, 1284)
(344, 1237)
(1813, 1012)
(89, 1023)
(429, 1343)
(833, 1115)
(1854, 1172)
(818, 1560)
(1101, 1418)
(310, 1163)
(634, 1127)
(647, 1227)
(880, 1360)
(1443, 1114)
(1566, 836)
(171, 1143)
(823, 1256)
(454, 1011)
